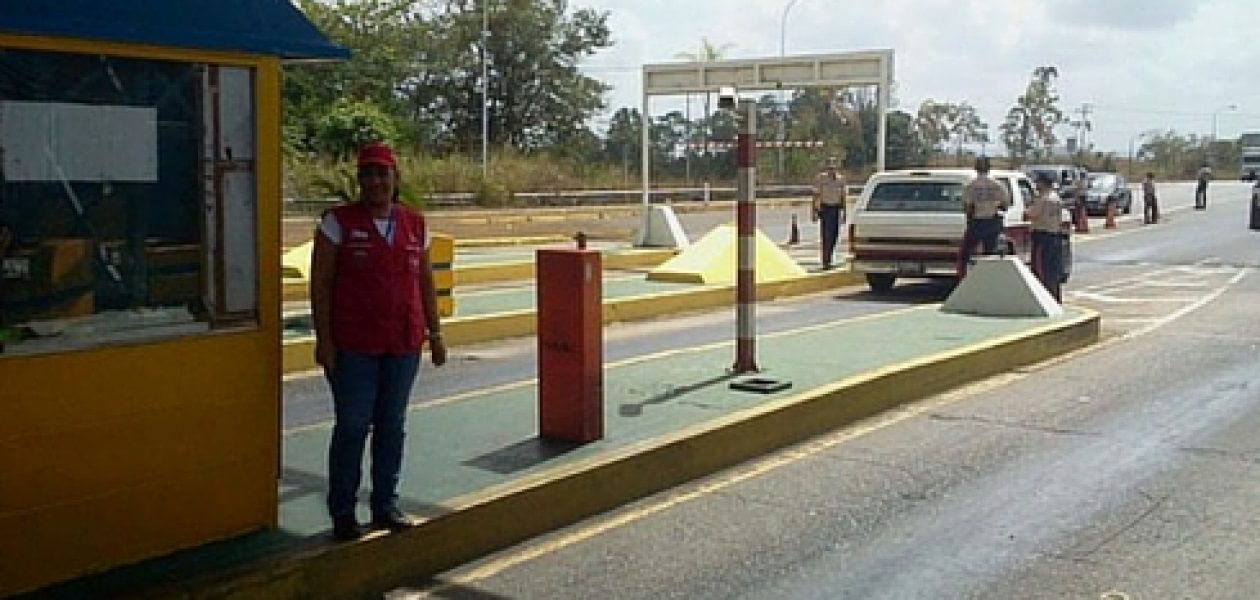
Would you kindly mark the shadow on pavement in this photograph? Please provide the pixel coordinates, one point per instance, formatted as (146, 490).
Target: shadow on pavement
(522, 455)
(634, 409)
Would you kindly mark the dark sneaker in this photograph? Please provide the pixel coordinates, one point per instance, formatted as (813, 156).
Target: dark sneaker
(347, 529)
(393, 520)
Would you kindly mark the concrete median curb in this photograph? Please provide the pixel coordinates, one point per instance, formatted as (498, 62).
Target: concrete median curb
(513, 241)
(299, 354)
(524, 269)
(499, 517)
(497, 272)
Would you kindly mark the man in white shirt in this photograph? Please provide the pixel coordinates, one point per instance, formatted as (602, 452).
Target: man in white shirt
(1045, 213)
(829, 197)
(984, 201)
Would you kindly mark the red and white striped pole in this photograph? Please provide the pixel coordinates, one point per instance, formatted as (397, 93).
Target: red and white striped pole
(746, 226)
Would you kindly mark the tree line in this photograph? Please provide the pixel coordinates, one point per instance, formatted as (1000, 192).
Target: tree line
(422, 72)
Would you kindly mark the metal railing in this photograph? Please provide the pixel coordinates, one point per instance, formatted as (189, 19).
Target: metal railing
(575, 198)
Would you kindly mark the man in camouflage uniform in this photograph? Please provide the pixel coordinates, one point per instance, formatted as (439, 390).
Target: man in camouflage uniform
(828, 208)
(984, 201)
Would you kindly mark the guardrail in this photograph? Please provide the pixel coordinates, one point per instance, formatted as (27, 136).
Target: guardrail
(562, 198)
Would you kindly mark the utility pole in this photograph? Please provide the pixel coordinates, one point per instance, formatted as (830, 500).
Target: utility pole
(1212, 142)
(1083, 125)
(782, 112)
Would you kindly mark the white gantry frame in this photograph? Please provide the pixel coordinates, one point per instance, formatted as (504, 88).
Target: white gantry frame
(871, 67)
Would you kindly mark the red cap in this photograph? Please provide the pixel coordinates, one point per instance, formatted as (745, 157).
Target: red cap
(377, 154)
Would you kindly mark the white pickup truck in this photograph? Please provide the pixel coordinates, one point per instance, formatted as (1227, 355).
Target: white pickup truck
(910, 223)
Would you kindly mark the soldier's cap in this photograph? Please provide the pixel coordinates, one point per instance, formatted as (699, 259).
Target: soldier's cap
(982, 164)
(1044, 177)
(377, 154)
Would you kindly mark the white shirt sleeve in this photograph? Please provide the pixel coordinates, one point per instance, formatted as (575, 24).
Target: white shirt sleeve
(331, 228)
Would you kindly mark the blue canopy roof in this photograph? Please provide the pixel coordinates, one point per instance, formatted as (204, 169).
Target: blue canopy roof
(272, 27)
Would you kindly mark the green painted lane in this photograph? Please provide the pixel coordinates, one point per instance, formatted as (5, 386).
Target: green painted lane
(484, 439)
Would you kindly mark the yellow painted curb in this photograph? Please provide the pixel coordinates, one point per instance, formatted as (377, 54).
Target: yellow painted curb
(475, 525)
(493, 272)
(294, 289)
(637, 258)
(514, 241)
(299, 289)
(524, 269)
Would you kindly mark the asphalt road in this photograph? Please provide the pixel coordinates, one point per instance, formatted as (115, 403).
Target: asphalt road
(1127, 470)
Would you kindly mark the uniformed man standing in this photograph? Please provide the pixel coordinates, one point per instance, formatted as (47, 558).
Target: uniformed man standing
(1200, 190)
(984, 201)
(1045, 213)
(829, 198)
(1150, 203)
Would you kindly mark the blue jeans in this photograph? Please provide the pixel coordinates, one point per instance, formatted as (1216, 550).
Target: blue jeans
(369, 396)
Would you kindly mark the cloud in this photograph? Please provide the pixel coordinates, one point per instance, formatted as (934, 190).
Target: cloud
(1142, 64)
(1136, 15)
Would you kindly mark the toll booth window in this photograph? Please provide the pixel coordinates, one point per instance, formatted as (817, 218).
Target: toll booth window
(127, 202)
(916, 196)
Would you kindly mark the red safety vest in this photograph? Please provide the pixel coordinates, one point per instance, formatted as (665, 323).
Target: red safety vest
(377, 307)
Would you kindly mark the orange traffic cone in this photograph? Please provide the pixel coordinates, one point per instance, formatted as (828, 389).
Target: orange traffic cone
(1081, 217)
(1110, 223)
(794, 237)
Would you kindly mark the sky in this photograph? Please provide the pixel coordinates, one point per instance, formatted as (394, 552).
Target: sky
(1138, 65)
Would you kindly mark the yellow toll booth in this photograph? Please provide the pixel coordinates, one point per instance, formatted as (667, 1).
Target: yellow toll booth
(139, 277)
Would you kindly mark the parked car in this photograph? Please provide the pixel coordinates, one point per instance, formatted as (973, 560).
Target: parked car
(1067, 178)
(910, 224)
(1104, 187)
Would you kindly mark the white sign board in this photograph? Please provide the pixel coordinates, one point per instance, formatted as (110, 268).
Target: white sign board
(58, 141)
(873, 67)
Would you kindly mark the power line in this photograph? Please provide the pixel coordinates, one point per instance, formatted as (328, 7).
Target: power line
(1164, 111)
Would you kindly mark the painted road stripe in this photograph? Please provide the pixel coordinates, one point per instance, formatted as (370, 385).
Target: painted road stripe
(778, 460)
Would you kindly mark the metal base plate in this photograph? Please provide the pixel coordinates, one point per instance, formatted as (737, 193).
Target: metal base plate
(761, 385)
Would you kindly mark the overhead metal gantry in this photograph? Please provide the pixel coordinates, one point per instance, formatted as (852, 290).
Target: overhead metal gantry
(848, 69)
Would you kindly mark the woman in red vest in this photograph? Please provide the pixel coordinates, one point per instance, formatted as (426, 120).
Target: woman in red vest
(374, 305)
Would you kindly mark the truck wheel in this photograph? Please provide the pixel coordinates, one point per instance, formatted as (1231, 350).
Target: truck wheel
(880, 282)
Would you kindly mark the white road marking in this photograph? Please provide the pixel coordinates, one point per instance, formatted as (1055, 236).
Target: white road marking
(755, 468)
(1108, 299)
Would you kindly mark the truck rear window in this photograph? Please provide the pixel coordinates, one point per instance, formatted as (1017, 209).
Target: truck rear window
(916, 196)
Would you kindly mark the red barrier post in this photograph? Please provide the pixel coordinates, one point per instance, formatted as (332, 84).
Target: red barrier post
(570, 345)
(746, 227)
